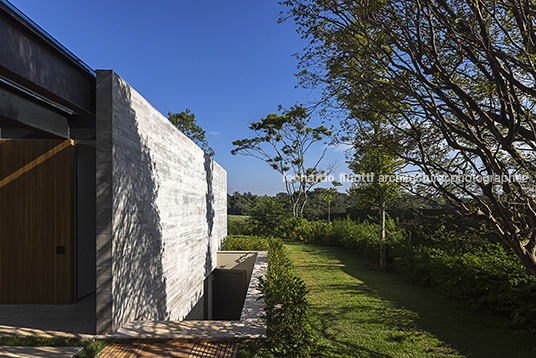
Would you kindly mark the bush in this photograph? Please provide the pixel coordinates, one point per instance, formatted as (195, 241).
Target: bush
(245, 243)
(267, 215)
(243, 227)
(287, 326)
(362, 238)
(491, 278)
(316, 232)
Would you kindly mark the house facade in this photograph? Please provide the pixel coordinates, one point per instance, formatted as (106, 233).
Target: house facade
(99, 193)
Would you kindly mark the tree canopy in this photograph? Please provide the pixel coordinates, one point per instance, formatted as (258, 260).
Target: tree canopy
(282, 141)
(460, 76)
(186, 123)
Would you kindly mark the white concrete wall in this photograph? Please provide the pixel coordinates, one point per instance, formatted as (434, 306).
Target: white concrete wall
(162, 219)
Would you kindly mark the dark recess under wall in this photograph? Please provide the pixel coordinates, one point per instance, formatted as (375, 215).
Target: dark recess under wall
(229, 293)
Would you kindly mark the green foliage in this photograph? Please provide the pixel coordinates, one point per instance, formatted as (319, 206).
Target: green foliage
(491, 278)
(285, 295)
(245, 243)
(90, 347)
(238, 203)
(463, 265)
(317, 232)
(241, 227)
(360, 312)
(363, 237)
(314, 209)
(282, 141)
(186, 123)
(268, 214)
(447, 81)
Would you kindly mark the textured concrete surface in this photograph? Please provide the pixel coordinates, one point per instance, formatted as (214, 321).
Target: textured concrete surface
(162, 211)
(39, 352)
(250, 324)
(78, 320)
(192, 330)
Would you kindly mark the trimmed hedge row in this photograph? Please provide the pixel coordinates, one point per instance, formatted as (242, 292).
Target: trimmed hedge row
(491, 278)
(288, 331)
(245, 243)
(461, 265)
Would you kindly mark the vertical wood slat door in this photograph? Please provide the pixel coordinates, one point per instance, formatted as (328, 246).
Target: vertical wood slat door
(36, 248)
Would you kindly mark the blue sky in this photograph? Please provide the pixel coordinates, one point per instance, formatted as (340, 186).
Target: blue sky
(229, 62)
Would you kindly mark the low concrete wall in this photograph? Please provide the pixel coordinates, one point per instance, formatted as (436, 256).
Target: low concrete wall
(161, 211)
(237, 260)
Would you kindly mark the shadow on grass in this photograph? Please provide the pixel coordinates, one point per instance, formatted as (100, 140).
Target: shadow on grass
(402, 311)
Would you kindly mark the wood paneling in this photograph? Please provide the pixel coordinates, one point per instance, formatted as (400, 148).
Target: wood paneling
(36, 180)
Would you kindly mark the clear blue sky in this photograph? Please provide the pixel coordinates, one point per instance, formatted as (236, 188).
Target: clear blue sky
(229, 62)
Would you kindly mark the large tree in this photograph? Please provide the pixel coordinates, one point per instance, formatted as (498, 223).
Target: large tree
(282, 141)
(461, 76)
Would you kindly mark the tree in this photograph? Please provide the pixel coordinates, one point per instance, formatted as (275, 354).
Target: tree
(375, 168)
(186, 123)
(238, 202)
(461, 76)
(329, 194)
(268, 214)
(282, 141)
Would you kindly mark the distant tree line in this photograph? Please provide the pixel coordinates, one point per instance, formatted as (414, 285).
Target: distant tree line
(316, 207)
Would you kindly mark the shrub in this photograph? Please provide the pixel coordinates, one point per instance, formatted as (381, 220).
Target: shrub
(490, 278)
(360, 237)
(244, 243)
(243, 227)
(268, 214)
(287, 326)
(317, 232)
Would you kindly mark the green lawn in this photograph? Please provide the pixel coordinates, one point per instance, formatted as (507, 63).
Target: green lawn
(238, 218)
(90, 348)
(360, 311)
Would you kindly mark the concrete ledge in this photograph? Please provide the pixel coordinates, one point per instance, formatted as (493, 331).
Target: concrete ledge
(191, 330)
(250, 324)
(38, 352)
(17, 331)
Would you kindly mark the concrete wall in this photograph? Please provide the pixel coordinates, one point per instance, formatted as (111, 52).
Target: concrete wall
(161, 211)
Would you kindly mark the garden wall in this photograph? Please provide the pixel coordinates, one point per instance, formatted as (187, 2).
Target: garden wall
(161, 211)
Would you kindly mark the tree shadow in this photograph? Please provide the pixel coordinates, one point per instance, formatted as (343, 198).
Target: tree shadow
(210, 211)
(414, 310)
(139, 285)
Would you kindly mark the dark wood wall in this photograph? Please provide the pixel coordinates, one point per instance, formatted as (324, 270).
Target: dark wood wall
(36, 222)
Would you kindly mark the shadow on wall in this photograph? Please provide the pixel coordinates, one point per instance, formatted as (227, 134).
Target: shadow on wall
(139, 286)
(209, 198)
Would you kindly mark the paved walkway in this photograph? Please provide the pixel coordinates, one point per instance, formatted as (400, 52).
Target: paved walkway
(75, 320)
(39, 352)
(182, 349)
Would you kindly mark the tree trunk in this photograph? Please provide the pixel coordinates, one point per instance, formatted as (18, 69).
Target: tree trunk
(382, 235)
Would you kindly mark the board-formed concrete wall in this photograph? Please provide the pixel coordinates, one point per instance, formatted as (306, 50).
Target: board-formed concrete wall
(161, 211)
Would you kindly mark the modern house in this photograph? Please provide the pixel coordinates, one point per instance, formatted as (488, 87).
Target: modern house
(99, 192)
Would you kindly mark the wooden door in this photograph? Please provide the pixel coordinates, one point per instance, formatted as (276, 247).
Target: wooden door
(36, 214)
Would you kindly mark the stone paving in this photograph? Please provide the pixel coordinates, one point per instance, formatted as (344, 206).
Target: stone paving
(38, 352)
(78, 321)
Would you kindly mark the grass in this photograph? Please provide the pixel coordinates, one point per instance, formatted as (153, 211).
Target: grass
(90, 348)
(239, 218)
(360, 311)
